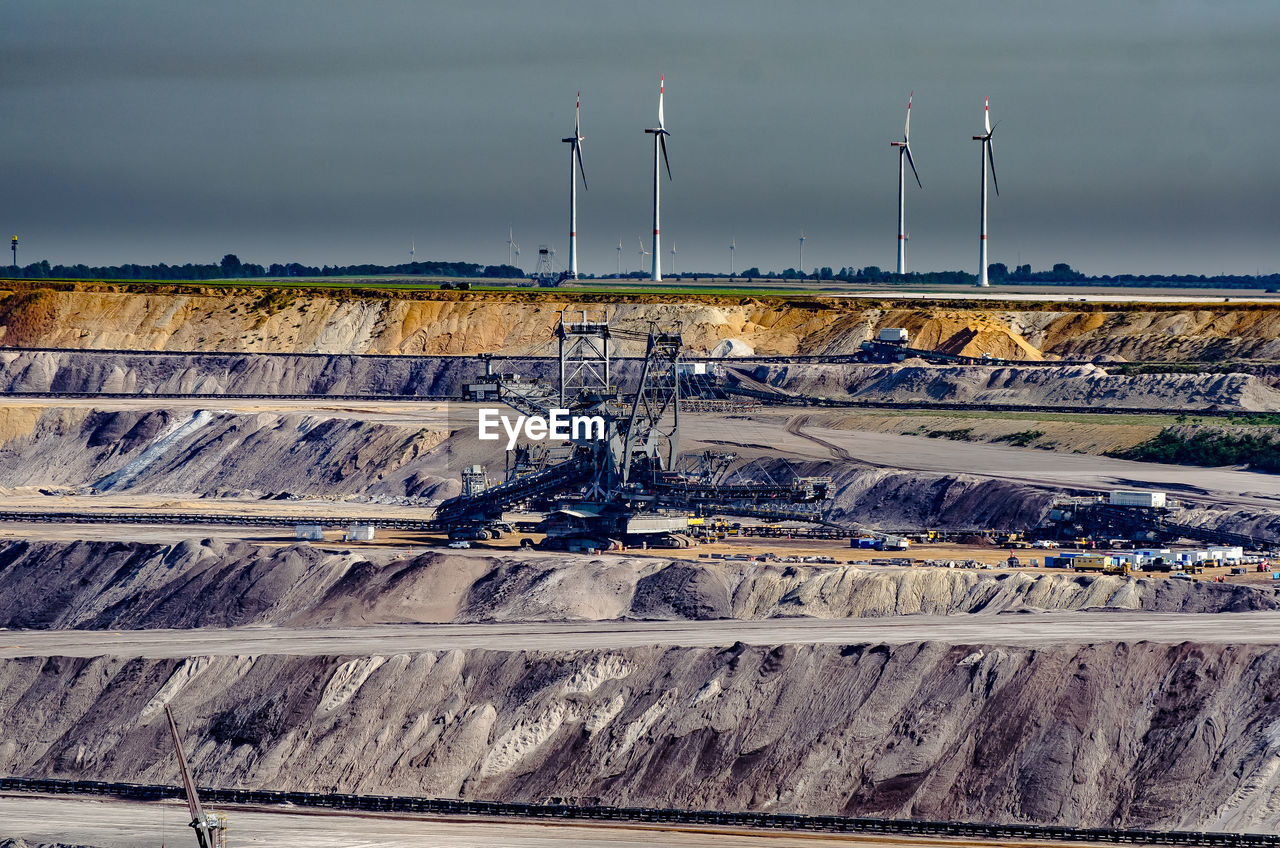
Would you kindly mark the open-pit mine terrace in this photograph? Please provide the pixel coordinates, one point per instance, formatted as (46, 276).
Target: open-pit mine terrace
(613, 680)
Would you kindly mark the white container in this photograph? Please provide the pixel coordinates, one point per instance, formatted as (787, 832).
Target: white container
(1151, 500)
(360, 533)
(893, 335)
(639, 525)
(309, 533)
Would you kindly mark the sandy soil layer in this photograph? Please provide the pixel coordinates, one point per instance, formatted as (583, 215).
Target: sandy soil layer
(195, 318)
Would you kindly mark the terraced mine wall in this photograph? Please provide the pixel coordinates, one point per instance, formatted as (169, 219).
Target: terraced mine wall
(311, 320)
(121, 585)
(1075, 386)
(120, 372)
(956, 732)
(322, 454)
(923, 730)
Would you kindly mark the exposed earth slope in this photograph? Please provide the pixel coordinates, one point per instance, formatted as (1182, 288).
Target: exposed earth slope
(304, 320)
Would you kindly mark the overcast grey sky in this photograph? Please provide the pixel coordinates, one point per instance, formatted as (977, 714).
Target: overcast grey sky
(1134, 137)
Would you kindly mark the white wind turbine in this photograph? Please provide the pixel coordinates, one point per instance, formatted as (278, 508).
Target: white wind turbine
(643, 252)
(987, 156)
(673, 259)
(619, 271)
(659, 141)
(904, 151)
(575, 168)
(802, 237)
(513, 249)
(733, 245)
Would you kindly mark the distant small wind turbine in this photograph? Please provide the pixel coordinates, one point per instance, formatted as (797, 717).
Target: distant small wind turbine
(733, 245)
(659, 141)
(410, 251)
(575, 167)
(904, 151)
(513, 249)
(619, 271)
(987, 156)
(802, 237)
(643, 252)
(673, 259)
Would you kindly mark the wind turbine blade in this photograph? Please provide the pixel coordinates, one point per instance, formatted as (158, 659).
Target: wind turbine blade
(662, 142)
(577, 116)
(907, 148)
(906, 132)
(992, 160)
(662, 82)
(578, 149)
(986, 115)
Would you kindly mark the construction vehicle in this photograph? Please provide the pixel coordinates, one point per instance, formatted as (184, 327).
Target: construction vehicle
(210, 828)
(1101, 564)
(615, 484)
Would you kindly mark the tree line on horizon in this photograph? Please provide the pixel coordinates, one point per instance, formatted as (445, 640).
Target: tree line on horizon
(230, 267)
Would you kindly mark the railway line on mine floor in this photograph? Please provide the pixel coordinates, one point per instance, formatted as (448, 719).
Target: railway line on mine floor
(670, 819)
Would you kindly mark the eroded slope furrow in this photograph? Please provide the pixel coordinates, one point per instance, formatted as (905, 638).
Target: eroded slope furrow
(925, 729)
(215, 452)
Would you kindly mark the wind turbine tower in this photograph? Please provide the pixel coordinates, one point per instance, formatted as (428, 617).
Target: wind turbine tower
(733, 245)
(643, 252)
(619, 271)
(987, 157)
(904, 152)
(659, 141)
(575, 168)
(513, 249)
(673, 259)
(801, 269)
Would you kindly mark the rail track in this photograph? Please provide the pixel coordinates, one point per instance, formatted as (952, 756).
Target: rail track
(645, 815)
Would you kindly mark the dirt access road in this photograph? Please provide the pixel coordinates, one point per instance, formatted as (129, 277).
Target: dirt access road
(1017, 629)
(113, 823)
(774, 433)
